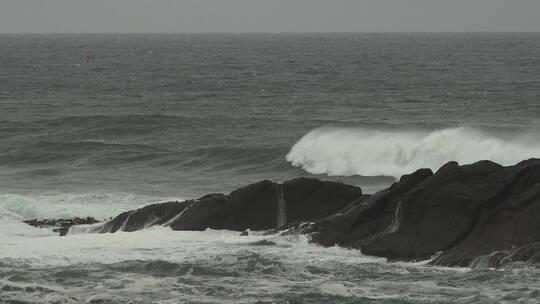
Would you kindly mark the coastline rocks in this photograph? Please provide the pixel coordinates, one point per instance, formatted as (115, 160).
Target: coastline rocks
(207, 212)
(433, 214)
(479, 214)
(308, 199)
(508, 223)
(366, 217)
(148, 216)
(254, 207)
(267, 205)
(61, 226)
(261, 206)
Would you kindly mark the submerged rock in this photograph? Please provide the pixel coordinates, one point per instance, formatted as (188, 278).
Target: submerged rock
(262, 243)
(61, 226)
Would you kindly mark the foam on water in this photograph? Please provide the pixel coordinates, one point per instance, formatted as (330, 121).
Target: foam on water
(100, 205)
(368, 152)
(159, 265)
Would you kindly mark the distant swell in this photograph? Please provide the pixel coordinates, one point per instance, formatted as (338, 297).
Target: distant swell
(356, 151)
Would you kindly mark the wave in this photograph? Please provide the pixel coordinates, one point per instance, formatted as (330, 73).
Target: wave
(101, 205)
(368, 152)
(97, 152)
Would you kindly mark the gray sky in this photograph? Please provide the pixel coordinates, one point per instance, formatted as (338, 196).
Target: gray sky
(171, 16)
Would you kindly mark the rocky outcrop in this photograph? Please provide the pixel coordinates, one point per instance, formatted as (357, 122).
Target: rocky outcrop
(254, 207)
(310, 199)
(61, 226)
(267, 205)
(478, 214)
(482, 214)
(148, 216)
(261, 206)
(506, 227)
(208, 212)
(367, 216)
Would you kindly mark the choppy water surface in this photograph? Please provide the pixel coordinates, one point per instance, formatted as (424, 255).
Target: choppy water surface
(162, 266)
(192, 114)
(92, 125)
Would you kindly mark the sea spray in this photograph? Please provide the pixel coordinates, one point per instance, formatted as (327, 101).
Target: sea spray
(371, 152)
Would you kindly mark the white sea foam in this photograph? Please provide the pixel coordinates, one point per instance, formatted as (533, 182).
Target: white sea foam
(67, 205)
(352, 151)
(193, 265)
(42, 247)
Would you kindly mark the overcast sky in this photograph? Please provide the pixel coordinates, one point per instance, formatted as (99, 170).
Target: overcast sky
(187, 16)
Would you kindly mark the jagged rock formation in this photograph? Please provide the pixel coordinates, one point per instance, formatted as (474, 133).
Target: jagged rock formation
(481, 214)
(155, 214)
(506, 227)
(261, 206)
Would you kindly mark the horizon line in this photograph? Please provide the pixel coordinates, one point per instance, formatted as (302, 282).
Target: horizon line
(273, 33)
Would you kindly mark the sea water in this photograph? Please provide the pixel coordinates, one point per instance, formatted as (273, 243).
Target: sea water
(93, 125)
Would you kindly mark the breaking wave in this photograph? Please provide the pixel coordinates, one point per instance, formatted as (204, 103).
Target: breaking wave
(16, 207)
(357, 151)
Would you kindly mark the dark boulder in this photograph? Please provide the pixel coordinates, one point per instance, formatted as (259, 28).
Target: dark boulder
(207, 212)
(466, 214)
(254, 207)
(258, 206)
(261, 206)
(151, 215)
(61, 226)
(310, 199)
(481, 214)
(365, 216)
(507, 223)
(435, 213)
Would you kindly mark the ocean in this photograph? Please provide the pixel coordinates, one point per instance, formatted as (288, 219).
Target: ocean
(96, 124)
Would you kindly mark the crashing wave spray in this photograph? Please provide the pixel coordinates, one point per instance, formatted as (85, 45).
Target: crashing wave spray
(351, 151)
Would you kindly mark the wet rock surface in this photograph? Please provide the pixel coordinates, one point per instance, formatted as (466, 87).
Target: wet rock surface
(482, 214)
(259, 206)
(61, 226)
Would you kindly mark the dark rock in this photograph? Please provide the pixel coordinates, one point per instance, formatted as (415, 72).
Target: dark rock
(61, 226)
(115, 224)
(262, 243)
(244, 233)
(261, 206)
(475, 214)
(528, 253)
(434, 214)
(310, 199)
(207, 212)
(481, 214)
(507, 221)
(253, 207)
(365, 216)
(155, 214)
